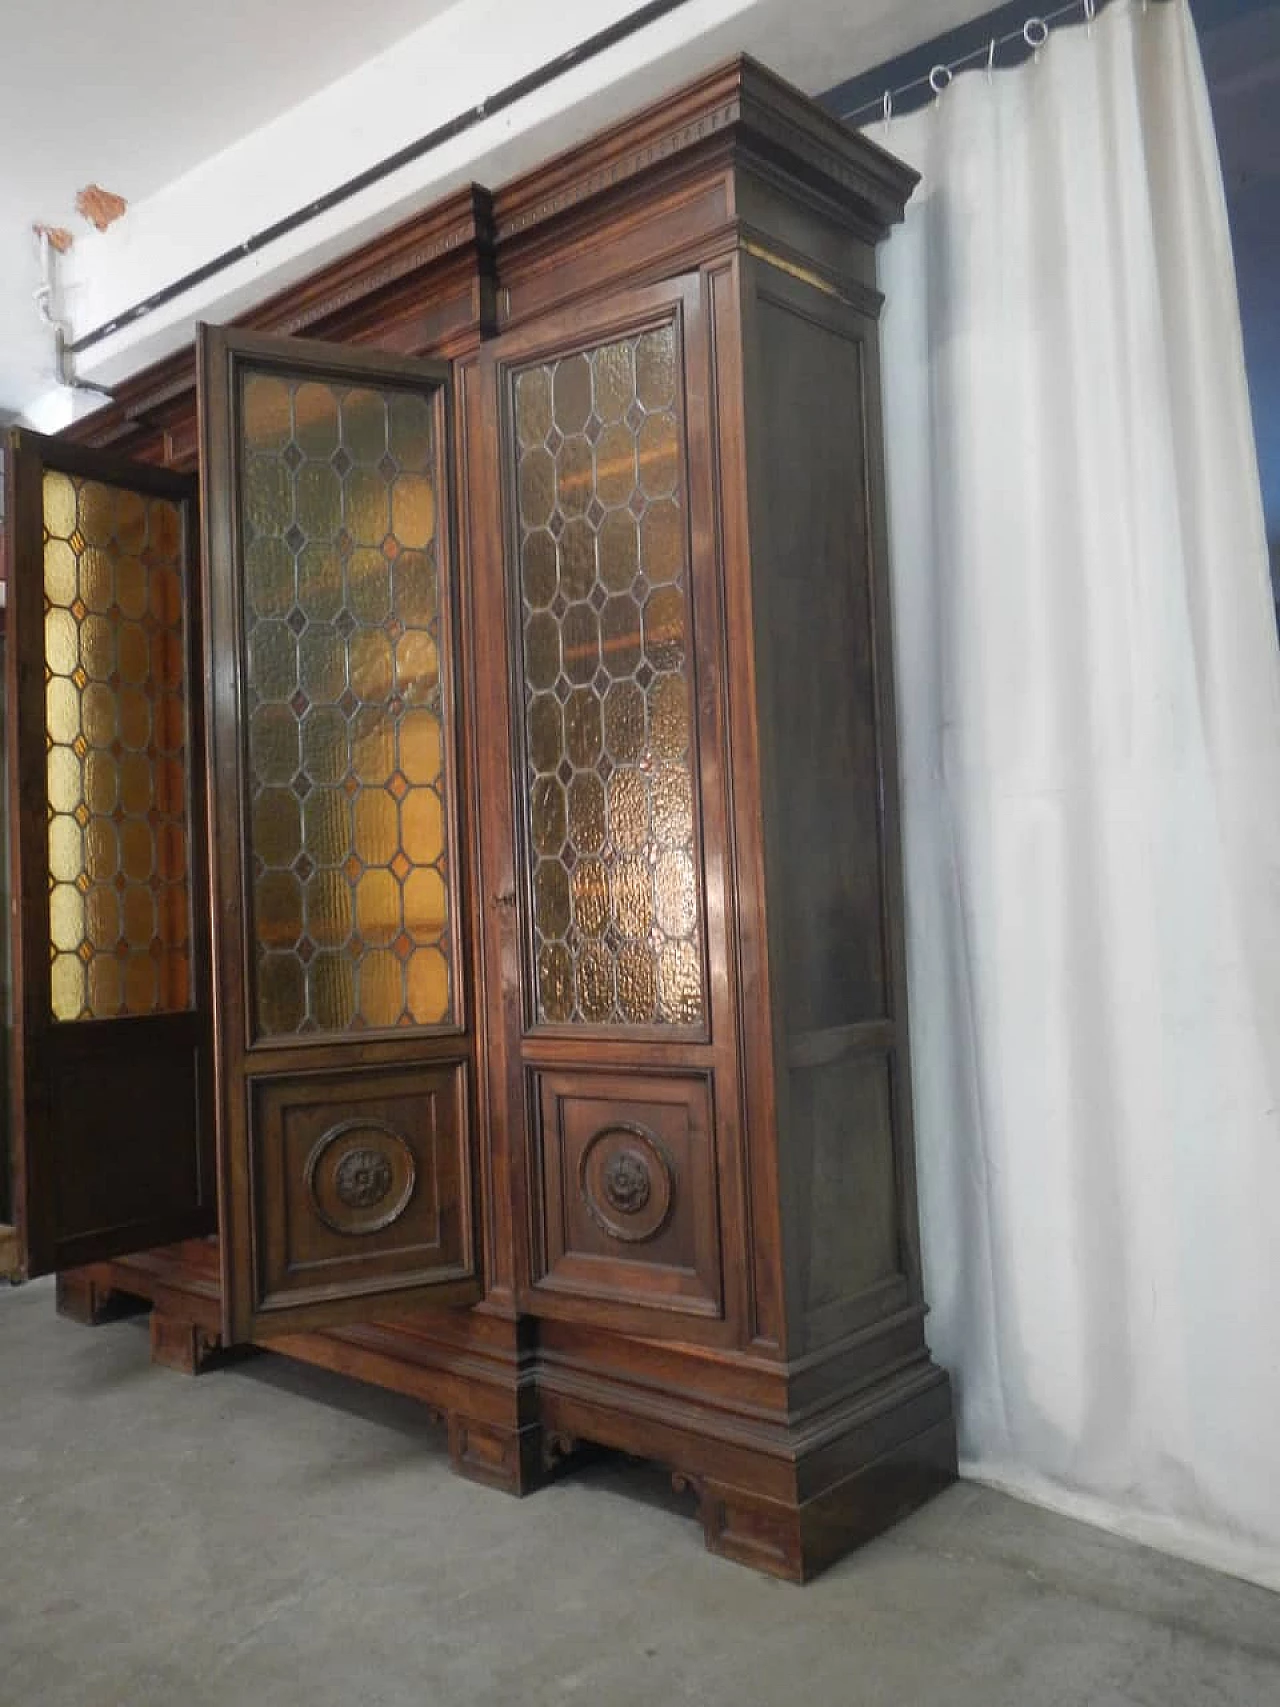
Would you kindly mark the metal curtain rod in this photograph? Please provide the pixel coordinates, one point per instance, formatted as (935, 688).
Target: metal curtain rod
(1034, 33)
(505, 97)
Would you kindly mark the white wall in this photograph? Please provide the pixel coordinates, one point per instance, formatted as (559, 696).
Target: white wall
(446, 67)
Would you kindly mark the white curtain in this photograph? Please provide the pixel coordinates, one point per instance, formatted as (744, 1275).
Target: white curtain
(1089, 690)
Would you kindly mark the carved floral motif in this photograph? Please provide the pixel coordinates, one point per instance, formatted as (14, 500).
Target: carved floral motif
(362, 1178)
(626, 1182)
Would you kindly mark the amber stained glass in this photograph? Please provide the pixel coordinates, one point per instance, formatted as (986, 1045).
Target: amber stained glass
(347, 841)
(115, 725)
(607, 670)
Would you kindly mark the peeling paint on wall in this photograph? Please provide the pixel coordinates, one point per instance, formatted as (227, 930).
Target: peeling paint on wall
(59, 237)
(100, 207)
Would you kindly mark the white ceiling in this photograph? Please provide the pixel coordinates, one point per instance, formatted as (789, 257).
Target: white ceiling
(133, 96)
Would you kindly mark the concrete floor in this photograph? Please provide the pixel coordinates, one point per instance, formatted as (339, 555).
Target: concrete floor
(273, 1536)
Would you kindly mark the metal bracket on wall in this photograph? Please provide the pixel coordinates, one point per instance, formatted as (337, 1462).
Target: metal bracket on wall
(46, 294)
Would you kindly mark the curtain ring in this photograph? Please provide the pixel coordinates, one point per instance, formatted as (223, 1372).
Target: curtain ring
(939, 78)
(1090, 10)
(991, 57)
(1035, 32)
(888, 107)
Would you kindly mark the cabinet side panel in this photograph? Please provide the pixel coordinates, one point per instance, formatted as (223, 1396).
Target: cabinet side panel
(822, 808)
(840, 1119)
(6, 966)
(817, 683)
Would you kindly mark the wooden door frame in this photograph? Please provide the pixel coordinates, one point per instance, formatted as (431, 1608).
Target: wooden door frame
(243, 1060)
(40, 1249)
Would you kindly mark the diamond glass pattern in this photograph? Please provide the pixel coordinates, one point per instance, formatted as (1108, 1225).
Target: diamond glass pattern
(346, 769)
(115, 650)
(606, 668)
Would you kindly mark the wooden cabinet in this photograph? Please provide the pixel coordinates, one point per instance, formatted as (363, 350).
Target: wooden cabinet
(539, 987)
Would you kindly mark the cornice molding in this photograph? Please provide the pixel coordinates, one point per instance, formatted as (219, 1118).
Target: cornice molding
(460, 226)
(741, 98)
(738, 113)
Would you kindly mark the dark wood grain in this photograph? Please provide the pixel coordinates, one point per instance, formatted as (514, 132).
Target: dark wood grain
(81, 1298)
(697, 1242)
(826, 777)
(110, 1120)
(626, 1201)
(271, 1210)
(310, 1247)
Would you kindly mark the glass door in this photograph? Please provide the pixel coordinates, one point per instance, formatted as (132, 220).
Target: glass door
(109, 1105)
(347, 1049)
(606, 876)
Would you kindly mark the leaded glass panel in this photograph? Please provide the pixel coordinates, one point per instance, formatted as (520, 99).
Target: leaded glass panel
(606, 674)
(115, 738)
(346, 780)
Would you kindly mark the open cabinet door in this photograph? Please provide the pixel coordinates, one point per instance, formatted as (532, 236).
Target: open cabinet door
(346, 1038)
(110, 1101)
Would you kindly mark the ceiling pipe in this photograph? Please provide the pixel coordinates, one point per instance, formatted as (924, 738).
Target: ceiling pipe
(501, 99)
(63, 360)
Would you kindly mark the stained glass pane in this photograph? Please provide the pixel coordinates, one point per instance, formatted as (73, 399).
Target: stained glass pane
(602, 575)
(115, 651)
(347, 838)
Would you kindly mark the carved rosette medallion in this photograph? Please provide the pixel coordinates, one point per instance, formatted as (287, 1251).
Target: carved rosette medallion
(360, 1176)
(627, 1182)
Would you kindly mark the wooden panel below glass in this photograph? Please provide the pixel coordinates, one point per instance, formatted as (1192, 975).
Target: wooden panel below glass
(360, 1184)
(627, 1190)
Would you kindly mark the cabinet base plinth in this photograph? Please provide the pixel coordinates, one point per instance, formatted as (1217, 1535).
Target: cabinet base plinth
(525, 1403)
(80, 1297)
(517, 1461)
(798, 1542)
(181, 1344)
(789, 1500)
